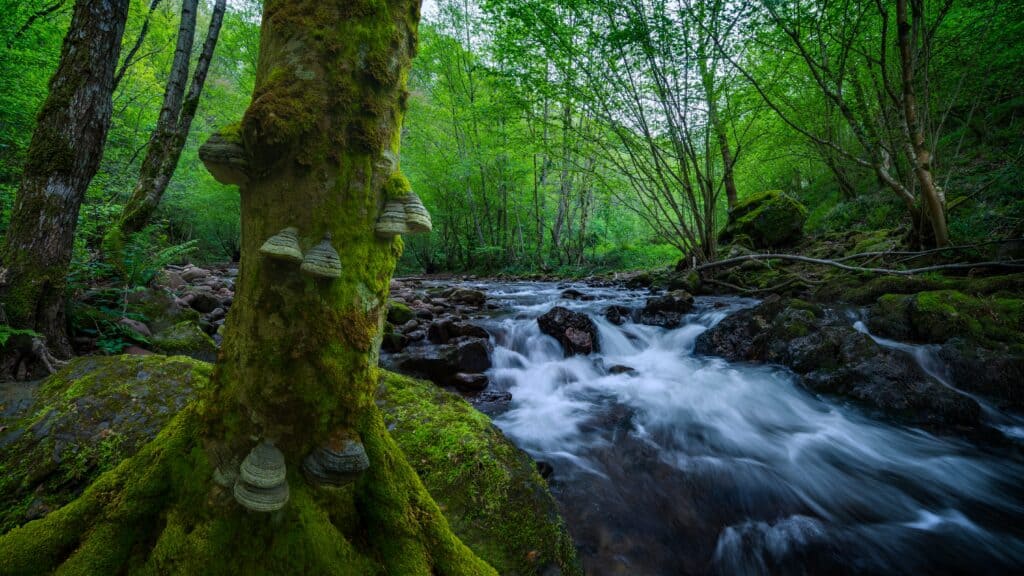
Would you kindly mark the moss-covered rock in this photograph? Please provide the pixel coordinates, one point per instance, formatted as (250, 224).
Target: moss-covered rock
(769, 219)
(83, 421)
(186, 339)
(939, 315)
(97, 412)
(399, 313)
(489, 490)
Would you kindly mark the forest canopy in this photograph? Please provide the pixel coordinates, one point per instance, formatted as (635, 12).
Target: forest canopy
(594, 135)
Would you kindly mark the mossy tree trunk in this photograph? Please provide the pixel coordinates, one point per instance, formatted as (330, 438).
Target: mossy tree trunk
(62, 159)
(298, 365)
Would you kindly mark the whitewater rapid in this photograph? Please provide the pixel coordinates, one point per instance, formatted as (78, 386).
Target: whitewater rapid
(682, 464)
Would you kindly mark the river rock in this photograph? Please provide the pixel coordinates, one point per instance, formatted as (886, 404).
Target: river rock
(203, 301)
(441, 331)
(467, 297)
(574, 294)
(470, 382)
(667, 311)
(192, 274)
(618, 314)
(833, 357)
(440, 364)
(575, 331)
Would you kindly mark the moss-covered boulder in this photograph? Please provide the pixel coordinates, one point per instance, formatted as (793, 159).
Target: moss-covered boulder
(939, 315)
(767, 220)
(186, 339)
(399, 313)
(82, 422)
(489, 490)
(101, 410)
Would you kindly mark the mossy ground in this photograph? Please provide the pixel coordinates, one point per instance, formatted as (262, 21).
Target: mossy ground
(489, 490)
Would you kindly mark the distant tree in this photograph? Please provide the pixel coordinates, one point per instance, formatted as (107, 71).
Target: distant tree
(175, 120)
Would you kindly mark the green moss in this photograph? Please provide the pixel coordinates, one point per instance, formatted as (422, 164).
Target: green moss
(188, 339)
(399, 313)
(939, 315)
(768, 219)
(489, 489)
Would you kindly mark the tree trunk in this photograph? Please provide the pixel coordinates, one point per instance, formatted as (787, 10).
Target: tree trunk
(175, 120)
(298, 366)
(62, 159)
(921, 156)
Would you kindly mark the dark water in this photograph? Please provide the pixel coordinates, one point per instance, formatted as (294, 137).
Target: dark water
(692, 465)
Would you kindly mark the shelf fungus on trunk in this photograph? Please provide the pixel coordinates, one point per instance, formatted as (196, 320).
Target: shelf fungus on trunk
(392, 220)
(283, 246)
(337, 463)
(417, 218)
(322, 261)
(261, 485)
(225, 157)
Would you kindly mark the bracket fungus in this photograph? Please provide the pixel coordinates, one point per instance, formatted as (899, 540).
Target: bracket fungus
(392, 220)
(283, 246)
(417, 218)
(261, 485)
(336, 464)
(322, 261)
(226, 159)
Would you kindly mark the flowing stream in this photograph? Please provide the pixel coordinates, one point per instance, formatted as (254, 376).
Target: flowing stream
(673, 463)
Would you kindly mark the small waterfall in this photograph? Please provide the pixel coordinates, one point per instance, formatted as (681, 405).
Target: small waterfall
(927, 358)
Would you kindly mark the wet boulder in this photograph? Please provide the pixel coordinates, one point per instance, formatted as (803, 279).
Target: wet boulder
(618, 315)
(834, 358)
(770, 219)
(666, 311)
(574, 294)
(444, 330)
(467, 297)
(440, 364)
(575, 331)
(996, 374)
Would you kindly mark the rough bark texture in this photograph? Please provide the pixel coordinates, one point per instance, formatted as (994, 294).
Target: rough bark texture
(62, 159)
(299, 360)
(175, 120)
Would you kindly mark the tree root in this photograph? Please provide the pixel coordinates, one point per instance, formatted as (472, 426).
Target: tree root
(160, 512)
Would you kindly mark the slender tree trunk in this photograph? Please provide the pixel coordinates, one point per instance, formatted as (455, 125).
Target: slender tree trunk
(62, 159)
(921, 156)
(175, 120)
(707, 80)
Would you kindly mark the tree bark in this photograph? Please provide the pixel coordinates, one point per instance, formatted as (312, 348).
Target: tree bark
(62, 159)
(298, 366)
(920, 155)
(175, 120)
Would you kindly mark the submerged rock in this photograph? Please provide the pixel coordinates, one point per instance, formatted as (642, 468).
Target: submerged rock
(575, 331)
